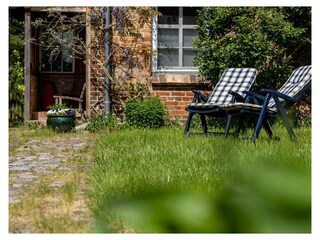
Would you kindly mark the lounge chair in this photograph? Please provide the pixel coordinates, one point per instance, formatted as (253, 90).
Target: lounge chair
(274, 103)
(229, 88)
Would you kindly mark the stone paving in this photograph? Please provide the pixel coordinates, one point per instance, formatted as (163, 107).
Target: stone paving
(37, 158)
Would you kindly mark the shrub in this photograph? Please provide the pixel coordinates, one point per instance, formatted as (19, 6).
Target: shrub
(269, 39)
(300, 114)
(147, 113)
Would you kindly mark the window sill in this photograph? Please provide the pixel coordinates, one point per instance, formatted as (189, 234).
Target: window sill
(181, 78)
(176, 71)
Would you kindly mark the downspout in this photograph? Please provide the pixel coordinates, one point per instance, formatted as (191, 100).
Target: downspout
(107, 44)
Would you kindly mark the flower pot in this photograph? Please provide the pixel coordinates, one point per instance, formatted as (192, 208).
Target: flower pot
(61, 123)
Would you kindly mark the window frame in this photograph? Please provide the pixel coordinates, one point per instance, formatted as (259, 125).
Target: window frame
(180, 26)
(61, 61)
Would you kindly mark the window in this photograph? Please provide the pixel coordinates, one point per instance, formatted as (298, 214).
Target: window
(174, 31)
(56, 55)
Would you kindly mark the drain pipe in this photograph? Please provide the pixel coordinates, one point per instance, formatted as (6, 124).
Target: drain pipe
(107, 44)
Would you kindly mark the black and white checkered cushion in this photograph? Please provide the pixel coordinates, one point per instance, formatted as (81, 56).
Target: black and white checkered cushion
(296, 82)
(248, 106)
(233, 79)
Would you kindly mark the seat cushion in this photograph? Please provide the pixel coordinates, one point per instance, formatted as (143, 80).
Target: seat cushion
(247, 106)
(203, 105)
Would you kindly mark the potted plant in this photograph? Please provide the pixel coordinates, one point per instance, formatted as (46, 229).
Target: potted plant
(61, 118)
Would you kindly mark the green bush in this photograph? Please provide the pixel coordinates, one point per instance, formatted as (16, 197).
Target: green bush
(275, 40)
(147, 113)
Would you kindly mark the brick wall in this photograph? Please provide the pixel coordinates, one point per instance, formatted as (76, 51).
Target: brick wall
(131, 63)
(175, 90)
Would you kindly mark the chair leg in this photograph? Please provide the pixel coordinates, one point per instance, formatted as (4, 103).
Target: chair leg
(288, 126)
(285, 118)
(227, 129)
(261, 119)
(187, 127)
(204, 124)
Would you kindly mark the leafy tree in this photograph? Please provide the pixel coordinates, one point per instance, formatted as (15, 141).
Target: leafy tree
(16, 75)
(275, 40)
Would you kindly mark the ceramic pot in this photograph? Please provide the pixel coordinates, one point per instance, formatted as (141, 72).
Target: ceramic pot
(62, 123)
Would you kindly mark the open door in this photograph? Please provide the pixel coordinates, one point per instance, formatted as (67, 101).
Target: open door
(45, 77)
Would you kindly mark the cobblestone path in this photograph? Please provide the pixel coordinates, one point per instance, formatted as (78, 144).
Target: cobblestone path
(38, 159)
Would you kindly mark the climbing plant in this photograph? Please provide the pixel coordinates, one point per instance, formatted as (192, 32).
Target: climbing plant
(16, 75)
(129, 52)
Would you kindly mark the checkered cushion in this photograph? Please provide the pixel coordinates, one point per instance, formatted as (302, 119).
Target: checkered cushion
(204, 105)
(296, 82)
(233, 79)
(248, 106)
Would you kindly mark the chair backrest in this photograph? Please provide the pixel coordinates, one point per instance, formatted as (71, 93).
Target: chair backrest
(296, 85)
(233, 79)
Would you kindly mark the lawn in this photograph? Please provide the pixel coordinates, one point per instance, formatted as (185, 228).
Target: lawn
(161, 181)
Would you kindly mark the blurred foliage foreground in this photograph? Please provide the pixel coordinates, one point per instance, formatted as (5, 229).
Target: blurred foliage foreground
(272, 200)
(264, 188)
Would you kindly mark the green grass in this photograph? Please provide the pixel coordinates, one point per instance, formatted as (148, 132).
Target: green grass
(162, 181)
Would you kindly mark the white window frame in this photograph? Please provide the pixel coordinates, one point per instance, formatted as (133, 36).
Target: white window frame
(180, 27)
(40, 63)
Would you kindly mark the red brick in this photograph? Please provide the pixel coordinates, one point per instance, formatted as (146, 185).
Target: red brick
(179, 112)
(176, 93)
(171, 103)
(189, 94)
(188, 99)
(178, 99)
(171, 98)
(163, 93)
(183, 103)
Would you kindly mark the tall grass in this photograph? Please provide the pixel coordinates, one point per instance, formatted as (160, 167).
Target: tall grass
(161, 181)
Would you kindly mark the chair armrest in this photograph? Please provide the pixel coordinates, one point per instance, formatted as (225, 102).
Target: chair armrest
(281, 95)
(199, 96)
(69, 94)
(68, 98)
(253, 97)
(236, 95)
(254, 94)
